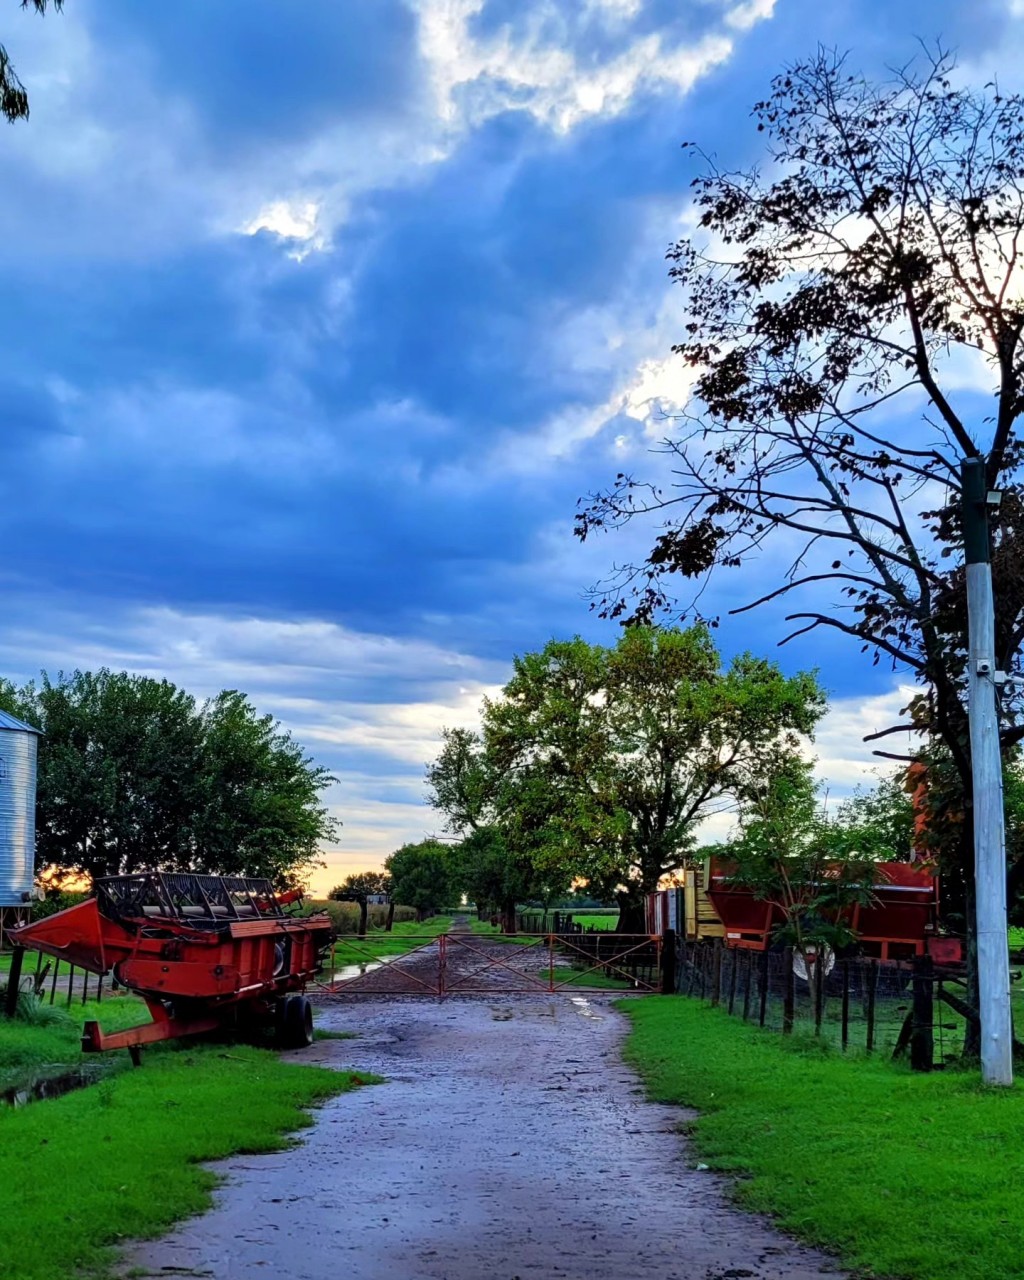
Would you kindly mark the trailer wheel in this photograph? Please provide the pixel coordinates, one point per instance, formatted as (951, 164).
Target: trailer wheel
(296, 1023)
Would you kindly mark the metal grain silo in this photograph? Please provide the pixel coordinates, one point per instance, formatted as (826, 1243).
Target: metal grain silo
(18, 748)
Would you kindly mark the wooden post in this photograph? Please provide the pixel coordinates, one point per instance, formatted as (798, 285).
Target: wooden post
(763, 987)
(668, 962)
(14, 981)
(819, 988)
(734, 958)
(748, 966)
(71, 983)
(872, 988)
(391, 917)
(789, 1000)
(364, 912)
(53, 983)
(85, 985)
(846, 1004)
(716, 974)
(922, 1038)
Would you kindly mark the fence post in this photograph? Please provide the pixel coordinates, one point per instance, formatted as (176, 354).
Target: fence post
(53, 980)
(14, 981)
(716, 974)
(819, 988)
(363, 913)
(922, 1038)
(763, 987)
(748, 967)
(846, 1004)
(789, 999)
(872, 988)
(733, 967)
(668, 962)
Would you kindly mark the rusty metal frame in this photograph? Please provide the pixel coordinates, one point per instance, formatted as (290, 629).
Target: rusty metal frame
(552, 943)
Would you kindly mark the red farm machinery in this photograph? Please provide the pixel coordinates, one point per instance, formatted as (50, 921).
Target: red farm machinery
(204, 952)
(899, 922)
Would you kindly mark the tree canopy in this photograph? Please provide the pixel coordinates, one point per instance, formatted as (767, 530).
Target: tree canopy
(598, 764)
(831, 306)
(361, 885)
(13, 98)
(135, 775)
(422, 877)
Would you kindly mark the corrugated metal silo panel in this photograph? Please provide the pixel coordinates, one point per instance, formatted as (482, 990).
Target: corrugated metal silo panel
(18, 751)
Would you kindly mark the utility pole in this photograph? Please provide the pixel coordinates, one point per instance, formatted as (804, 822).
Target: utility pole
(987, 773)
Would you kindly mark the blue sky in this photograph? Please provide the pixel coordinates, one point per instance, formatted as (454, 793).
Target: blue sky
(318, 319)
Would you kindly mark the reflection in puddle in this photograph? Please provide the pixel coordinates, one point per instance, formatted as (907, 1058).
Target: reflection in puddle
(51, 1086)
(344, 971)
(584, 1007)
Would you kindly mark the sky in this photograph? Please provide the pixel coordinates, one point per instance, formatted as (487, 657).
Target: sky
(317, 319)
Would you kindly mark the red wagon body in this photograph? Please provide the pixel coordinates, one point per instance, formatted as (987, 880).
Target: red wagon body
(203, 951)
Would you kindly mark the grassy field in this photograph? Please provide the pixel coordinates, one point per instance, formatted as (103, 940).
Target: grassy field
(905, 1175)
(402, 938)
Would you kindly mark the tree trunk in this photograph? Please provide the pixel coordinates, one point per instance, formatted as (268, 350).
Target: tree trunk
(508, 916)
(631, 912)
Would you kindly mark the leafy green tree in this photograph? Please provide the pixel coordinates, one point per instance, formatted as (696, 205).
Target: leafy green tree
(13, 98)
(135, 775)
(603, 762)
(877, 822)
(362, 884)
(422, 877)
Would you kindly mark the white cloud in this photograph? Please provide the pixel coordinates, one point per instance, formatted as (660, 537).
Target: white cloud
(290, 220)
(534, 67)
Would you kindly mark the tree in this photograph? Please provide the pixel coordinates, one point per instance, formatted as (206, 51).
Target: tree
(605, 761)
(827, 304)
(13, 98)
(876, 822)
(363, 884)
(422, 877)
(134, 776)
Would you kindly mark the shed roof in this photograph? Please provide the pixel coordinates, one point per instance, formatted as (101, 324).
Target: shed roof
(12, 722)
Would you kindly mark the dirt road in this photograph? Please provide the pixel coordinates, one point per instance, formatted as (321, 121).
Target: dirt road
(510, 1143)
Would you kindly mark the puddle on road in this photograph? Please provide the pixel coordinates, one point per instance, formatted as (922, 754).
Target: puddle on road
(357, 970)
(584, 1007)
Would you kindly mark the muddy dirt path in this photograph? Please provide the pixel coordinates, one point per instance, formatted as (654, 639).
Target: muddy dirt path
(510, 1143)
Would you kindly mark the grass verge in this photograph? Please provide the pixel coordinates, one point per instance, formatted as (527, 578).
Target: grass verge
(119, 1160)
(904, 1175)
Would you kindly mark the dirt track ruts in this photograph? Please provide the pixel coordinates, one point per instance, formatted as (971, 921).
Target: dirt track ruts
(510, 1143)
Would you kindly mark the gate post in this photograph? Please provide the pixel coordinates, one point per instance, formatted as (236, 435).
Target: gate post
(442, 960)
(668, 962)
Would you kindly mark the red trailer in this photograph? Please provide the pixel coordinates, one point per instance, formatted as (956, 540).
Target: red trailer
(899, 922)
(204, 952)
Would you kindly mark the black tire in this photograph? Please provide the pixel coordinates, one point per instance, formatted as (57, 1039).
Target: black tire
(295, 1026)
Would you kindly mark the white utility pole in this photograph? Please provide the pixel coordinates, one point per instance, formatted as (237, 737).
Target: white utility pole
(987, 771)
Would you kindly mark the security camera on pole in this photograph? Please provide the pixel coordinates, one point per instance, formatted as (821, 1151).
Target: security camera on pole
(987, 771)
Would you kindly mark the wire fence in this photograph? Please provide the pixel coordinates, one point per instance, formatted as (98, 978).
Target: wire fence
(890, 1007)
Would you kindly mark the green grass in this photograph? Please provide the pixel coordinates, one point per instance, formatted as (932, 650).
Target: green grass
(566, 977)
(119, 1160)
(905, 1175)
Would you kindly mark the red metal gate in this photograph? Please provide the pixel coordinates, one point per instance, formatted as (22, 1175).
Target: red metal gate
(514, 964)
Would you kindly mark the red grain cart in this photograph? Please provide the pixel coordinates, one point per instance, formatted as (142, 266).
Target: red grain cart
(900, 921)
(204, 952)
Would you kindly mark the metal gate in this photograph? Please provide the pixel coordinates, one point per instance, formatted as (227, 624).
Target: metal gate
(513, 964)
